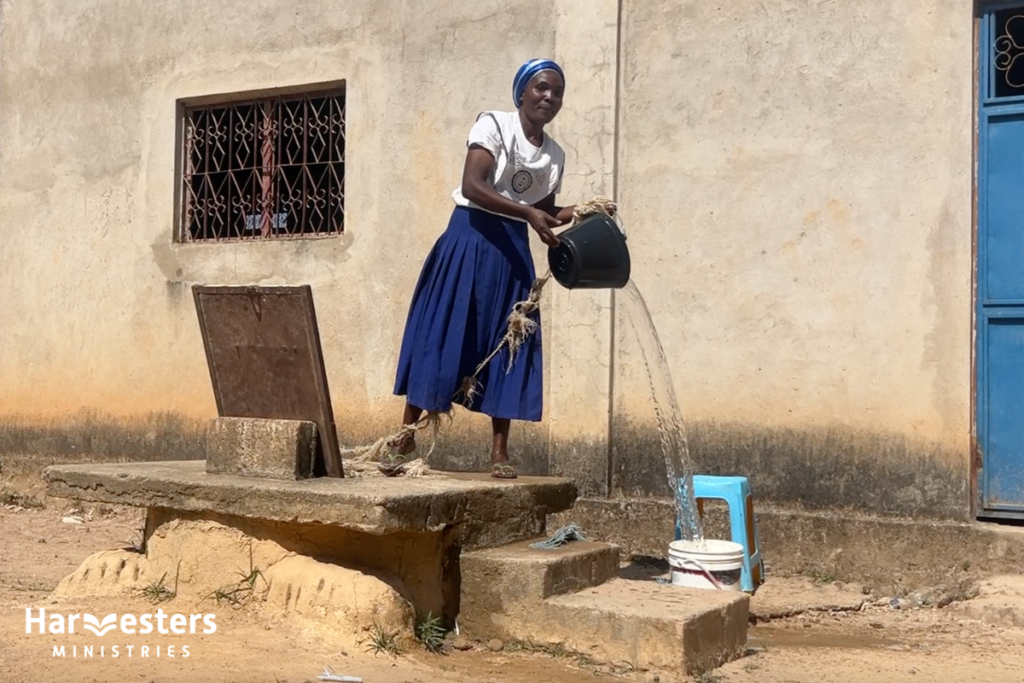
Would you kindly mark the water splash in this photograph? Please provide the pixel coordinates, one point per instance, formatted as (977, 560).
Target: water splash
(671, 431)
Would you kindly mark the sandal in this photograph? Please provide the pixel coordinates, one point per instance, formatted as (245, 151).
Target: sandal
(502, 470)
(392, 466)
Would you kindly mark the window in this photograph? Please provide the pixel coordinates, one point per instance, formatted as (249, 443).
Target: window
(1008, 57)
(264, 168)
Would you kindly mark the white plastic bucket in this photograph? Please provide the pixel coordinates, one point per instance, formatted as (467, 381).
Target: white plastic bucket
(710, 563)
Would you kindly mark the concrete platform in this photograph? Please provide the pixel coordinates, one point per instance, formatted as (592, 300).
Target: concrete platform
(489, 512)
(455, 545)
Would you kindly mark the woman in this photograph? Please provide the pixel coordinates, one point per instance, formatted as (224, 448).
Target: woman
(482, 265)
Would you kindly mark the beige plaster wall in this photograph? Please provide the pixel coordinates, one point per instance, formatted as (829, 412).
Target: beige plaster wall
(795, 179)
(799, 206)
(98, 313)
(797, 188)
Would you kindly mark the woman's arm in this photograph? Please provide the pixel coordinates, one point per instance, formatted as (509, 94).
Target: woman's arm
(477, 189)
(562, 214)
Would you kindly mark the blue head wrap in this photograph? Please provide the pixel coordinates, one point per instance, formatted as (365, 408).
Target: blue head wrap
(527, 72)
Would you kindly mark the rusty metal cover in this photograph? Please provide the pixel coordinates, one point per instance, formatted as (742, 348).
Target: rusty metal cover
(263, 350)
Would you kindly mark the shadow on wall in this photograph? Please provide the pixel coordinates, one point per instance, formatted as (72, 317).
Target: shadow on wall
(815, 468)
(820, 468)
(464, 445)
(155, 436)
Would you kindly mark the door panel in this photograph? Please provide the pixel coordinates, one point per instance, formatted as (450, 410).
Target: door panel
(1000, 265)
(1004, 456)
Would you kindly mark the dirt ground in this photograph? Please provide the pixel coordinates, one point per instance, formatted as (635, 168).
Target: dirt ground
(808, 643)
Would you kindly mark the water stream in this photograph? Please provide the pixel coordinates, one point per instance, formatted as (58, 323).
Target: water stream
(671, 430)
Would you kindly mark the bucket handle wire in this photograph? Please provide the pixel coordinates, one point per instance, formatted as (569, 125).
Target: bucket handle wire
(618, 223)
(700, 568)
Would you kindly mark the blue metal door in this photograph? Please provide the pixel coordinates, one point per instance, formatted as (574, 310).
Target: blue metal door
(1000, 253)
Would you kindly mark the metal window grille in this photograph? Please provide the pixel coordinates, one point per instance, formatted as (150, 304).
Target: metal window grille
(264, 169)
(1008, 53)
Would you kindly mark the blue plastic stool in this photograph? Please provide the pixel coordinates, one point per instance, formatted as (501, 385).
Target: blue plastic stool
(735, 491)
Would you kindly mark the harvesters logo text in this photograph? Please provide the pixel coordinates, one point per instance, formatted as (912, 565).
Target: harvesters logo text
(159, 624)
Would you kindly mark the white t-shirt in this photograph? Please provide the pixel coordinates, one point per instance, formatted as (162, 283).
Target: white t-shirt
(524, 173)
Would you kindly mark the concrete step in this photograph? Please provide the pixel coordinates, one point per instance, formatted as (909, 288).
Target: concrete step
(501, 586)
(648, 624)
(516, 572)
(572, 597)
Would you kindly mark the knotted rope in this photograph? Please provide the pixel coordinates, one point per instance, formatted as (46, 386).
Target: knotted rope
(363, 460)
(520, 324)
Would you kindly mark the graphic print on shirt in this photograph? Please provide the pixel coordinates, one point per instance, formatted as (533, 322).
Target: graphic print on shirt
(522, 181)
(525, 177)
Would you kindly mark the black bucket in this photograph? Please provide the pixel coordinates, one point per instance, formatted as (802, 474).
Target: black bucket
(592, 255)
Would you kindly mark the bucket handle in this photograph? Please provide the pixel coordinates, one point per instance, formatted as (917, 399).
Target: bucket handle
(618, 224)
(617, 221)
(699, 567)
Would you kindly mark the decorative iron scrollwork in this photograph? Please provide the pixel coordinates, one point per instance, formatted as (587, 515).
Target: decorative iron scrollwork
(264, 168)
(1008, 50)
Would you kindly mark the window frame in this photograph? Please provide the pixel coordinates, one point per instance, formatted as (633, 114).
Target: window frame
(181, 233)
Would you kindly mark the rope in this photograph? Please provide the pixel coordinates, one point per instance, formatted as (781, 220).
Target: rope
(365, 460)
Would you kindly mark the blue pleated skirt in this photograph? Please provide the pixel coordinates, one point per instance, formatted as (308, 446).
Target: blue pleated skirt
(476, 271)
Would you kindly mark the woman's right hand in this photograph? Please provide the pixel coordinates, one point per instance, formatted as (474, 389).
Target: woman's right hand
(543, 222)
